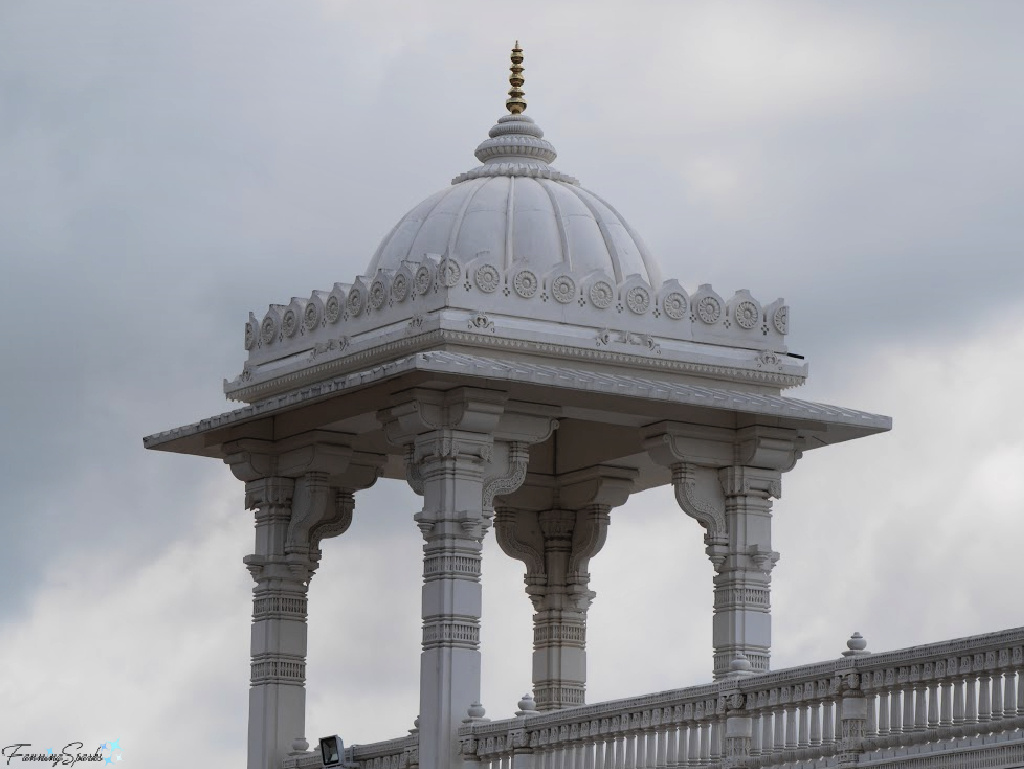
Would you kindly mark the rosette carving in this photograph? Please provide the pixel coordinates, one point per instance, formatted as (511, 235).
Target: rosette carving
(525, 283)
(487, 278)
(563, 288)
(602, 294)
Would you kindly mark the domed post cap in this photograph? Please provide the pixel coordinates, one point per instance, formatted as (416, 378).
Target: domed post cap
(740, 666)
(527, 706)
(856, 645)
(475, 712)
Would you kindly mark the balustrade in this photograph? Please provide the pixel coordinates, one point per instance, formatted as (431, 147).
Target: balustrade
(934, 694)
(941, 695)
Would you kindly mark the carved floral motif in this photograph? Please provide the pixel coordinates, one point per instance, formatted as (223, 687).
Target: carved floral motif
(354, 303)
(311, 316)
(400, 287)
(638, 300)
(781, 320)
(602, 294)
(709, 309)
(268, 330)
(377, 294)
(746, 314)
(675, 305)
(332, 310)
(487, 278)
(289, 324)
(525, 283)
(563, 288)
(421, 283)
(451, 272)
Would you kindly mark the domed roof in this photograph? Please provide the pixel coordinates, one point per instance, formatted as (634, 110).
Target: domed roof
(517, 207)
(515, 258)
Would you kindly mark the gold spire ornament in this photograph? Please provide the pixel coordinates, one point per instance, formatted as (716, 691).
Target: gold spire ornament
(515, 103)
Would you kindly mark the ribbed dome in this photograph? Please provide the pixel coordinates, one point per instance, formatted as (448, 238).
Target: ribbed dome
(517, 207)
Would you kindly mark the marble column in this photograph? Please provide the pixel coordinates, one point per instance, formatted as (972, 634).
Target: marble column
(460, 446)
(555, 525)
(301, 494)
(725, 480)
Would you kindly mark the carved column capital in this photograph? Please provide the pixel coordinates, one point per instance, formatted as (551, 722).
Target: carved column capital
(741, 480)
(420, 410)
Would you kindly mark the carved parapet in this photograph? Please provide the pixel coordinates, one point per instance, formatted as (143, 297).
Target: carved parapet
(625, 315)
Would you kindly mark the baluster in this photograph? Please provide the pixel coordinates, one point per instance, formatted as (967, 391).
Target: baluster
(971, 716)
(630, 751)
(506, 759)
(693, 745)
(716, 741)
(958, 702)
(1020, 694)
(828, 723)
(815, 714)
(985, 698)
(946, 704)
(997, 696)
(755, 734)
(908, 708)
(641, 751)
(767, 743)
(883, 713)
(804, 724)
(790, 728)
(895, 720)
(1010, 694)
(933, 704)
(672, 753)
(589, 747)
(666, 733)
(542, 758)
(608, 753)
(920, 708)
(652, 749)
(705, 743)
(780, 729)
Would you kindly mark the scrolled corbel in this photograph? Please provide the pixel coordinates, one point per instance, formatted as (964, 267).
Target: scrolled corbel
(700, 495)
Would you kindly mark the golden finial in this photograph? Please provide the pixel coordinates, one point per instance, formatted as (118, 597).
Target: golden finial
(515, 103)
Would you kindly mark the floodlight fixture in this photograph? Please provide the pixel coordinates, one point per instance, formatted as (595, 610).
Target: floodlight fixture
(332, 750)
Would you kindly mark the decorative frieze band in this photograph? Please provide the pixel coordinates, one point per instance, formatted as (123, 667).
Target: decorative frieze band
(280, 606)
(571, 633)
(278, 669)
(447, 565)
(451, 633)
(742, 597)
(566, 695)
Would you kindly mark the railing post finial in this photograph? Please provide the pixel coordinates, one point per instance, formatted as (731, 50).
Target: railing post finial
(856, 646)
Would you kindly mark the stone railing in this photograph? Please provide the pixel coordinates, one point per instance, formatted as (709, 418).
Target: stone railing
(952, 696)
(399, 753)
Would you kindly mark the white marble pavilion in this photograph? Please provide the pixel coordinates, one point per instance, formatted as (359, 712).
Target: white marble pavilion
(514, 353)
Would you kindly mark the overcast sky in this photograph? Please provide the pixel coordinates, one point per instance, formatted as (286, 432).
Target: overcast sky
(166, 167)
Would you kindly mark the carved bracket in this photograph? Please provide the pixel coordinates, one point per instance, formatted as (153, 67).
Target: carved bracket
(515, 473)
(700, 494)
